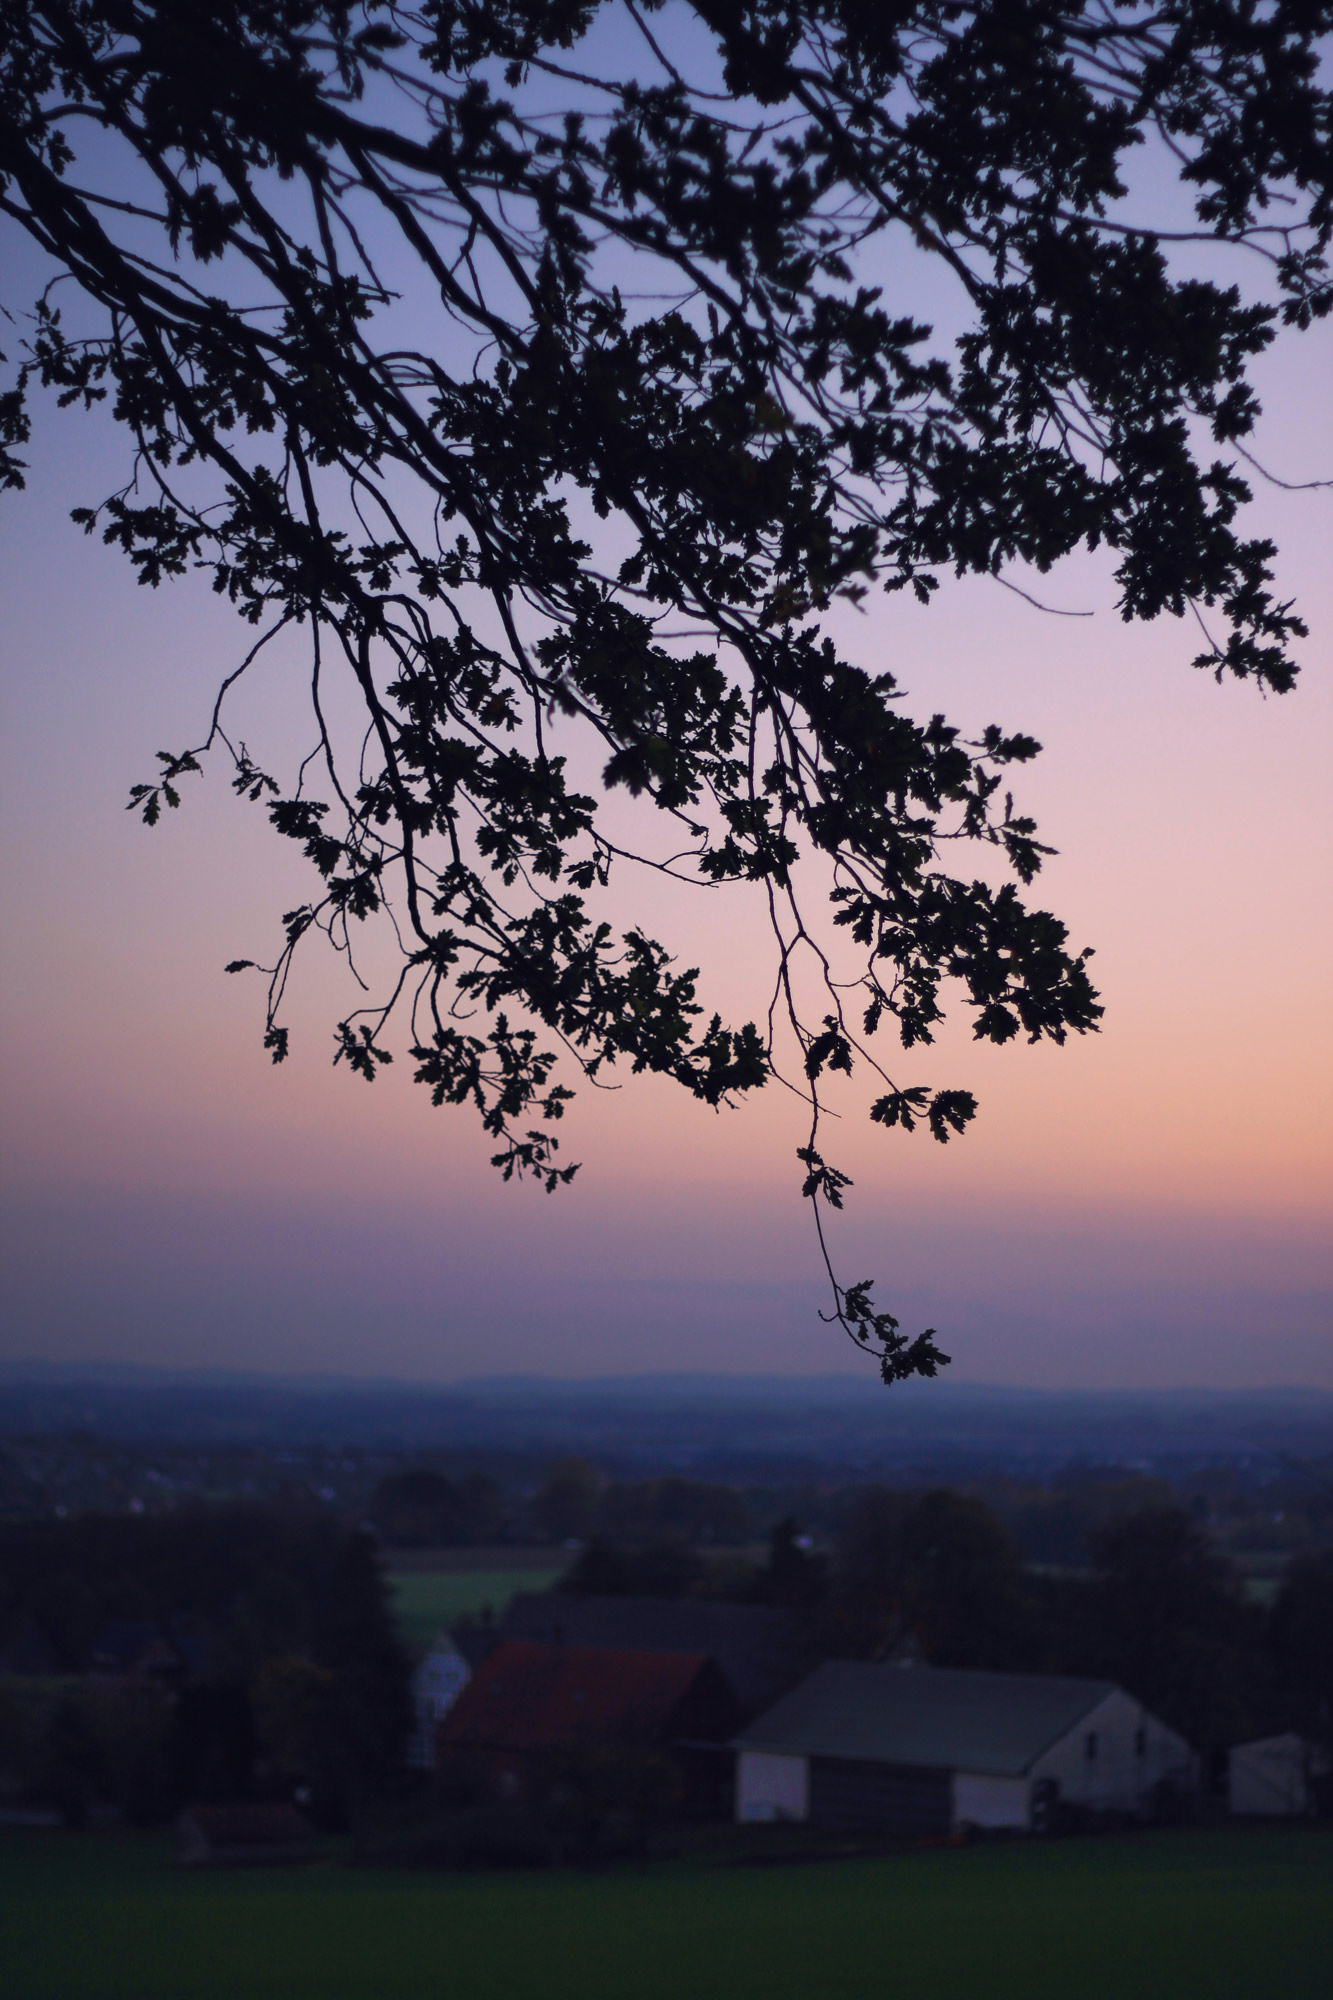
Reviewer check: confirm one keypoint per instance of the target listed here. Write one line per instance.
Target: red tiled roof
(528, 1696)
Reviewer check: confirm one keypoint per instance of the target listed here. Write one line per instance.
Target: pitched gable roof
(757, 1647)
(529, 1697)
(938, 1717)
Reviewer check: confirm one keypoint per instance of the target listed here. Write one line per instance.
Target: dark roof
(756, 1646)
(528, 1696)
(934, 1716)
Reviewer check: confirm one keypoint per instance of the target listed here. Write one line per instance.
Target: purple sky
(1150, 1206)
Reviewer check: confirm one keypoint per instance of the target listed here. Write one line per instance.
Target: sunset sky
(1148, 1206)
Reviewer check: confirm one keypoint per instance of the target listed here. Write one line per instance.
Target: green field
(1224, 1915)
(423, 1604)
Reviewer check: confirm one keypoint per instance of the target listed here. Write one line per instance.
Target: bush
(424, 1509)
(669, 1569)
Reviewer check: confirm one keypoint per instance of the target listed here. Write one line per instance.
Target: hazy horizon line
(111, 1373)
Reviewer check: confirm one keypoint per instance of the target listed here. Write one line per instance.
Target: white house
(436, 1686)
(1275, 1776)
(931, 1750)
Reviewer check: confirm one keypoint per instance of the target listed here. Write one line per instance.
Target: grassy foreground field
(1221, 1915)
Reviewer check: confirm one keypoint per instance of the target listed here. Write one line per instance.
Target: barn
(931, 1750)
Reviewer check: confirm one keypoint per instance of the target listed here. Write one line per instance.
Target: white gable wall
(1271, 1776)
(770, 1787)
(436, 1686)
(1113, 1758)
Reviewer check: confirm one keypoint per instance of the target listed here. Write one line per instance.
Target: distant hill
(720, 1426)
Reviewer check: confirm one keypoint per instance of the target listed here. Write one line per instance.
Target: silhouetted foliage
(421, 1508)
(664, 1569)
(1054, 1524)
(960, 1581)
(936, 1569)
(691, 1510)
(215, 1741)
(1301, 1637)
(795, 1574)
(557, 381)
(1165, 1617)
(70, 1766)
(866, 1611)
(273, 1607)
(356, 1639)
(566, 1502)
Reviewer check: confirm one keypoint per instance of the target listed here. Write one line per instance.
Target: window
(1090, 1746)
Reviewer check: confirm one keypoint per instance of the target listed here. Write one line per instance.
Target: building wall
(436, 1686)
(864, 1796)
(770, 1787)
(1114, 1757)
(1270, 1776)
(1112, 1761)
(985, 1801)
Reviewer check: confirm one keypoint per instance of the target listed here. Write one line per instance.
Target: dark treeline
(422, 1507)
(281, 1669)
(1050, 1522)
(1275, 1504)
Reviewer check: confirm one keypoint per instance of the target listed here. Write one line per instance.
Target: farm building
(924, 1750)
(529, 1709)
(757, 1647)
(1279, 1776)
(436, 1685)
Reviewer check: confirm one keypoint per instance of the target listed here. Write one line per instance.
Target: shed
(242, 1836)
(927, 1750)
(1278, 1776)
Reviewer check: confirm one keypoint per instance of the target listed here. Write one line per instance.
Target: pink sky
(1150, 1205)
